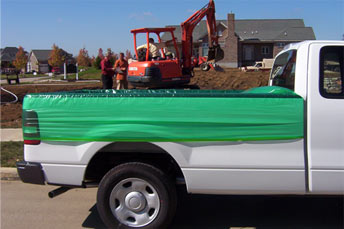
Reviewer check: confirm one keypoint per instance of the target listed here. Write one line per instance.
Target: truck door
(325, 119)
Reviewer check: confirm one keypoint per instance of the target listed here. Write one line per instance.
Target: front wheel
(136, 195)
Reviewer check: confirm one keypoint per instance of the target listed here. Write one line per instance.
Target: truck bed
(266, 113)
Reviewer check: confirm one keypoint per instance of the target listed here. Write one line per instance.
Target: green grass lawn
(90, 73)
(11, 152)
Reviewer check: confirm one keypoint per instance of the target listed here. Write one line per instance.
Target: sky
(93, 24)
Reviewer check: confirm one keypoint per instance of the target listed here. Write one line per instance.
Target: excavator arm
(215, 52)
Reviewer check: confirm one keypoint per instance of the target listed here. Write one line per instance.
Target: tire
(205, 67)
(136, 195)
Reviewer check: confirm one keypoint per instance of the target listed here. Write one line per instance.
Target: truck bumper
(30, 172)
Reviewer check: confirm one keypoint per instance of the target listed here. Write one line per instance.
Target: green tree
(98, 59)
(56, 58)
(21, 59)
(96, 62)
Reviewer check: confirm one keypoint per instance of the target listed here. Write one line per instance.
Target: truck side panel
(55, 152)
(257, 166)
(279, 154)
(64, 174)
(261, 167)
(325, 123)
(245, 181)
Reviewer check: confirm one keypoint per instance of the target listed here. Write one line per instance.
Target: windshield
(258, 65)
(283, 71)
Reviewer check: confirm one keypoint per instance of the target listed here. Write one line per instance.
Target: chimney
(231, 24)
(231, 43)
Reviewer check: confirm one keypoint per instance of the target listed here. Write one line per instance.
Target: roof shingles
(43, 55)
(9, 54)
(260, 29)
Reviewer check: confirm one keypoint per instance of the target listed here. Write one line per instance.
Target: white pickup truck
(136, 178)
(264, 65)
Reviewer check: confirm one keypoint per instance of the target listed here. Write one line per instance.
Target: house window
(219, 33)
(29, 68)
(280, 45)
(205, 48)
(222, 44)
(248, 52)
(195, 52)
(265, 50)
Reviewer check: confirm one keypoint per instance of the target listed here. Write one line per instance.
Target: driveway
(28, 206)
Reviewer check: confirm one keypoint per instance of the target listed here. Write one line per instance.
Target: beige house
(38, 60)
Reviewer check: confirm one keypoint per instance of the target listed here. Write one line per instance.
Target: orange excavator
(177, 69)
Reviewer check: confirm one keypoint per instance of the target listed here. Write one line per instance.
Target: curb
(11, 134)
(9, 173)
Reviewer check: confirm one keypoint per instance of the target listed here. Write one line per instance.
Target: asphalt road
(28, 206)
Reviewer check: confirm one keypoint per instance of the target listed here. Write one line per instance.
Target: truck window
(283, 71)
(331, 72)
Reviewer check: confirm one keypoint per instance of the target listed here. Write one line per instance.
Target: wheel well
(122, 152)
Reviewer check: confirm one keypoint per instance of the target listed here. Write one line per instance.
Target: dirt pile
(228, 79)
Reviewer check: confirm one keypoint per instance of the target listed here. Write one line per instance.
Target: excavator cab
(164, 71)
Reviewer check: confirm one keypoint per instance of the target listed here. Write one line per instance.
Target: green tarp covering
(266, 113)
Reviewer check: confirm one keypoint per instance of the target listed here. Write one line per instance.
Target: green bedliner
(266, 113)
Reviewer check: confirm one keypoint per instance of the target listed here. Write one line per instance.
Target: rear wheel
(205, 67)
(136, 195)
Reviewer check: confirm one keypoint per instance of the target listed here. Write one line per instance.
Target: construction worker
(107, 72)
(121, 67)
(154, 48)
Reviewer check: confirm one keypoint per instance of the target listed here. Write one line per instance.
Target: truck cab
(314, 70)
